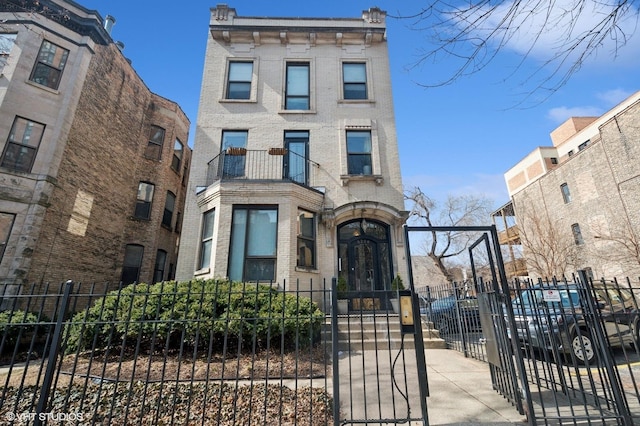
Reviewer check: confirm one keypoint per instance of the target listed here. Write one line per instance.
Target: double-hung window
(359, 152)
(144, 200)
(6, 43)
(206, 239)
(306, 239)
(156, 140)
(132, 263)
(297, 89)
(253, 244)
(178, 150)
(354, 78)
(239, 80)
(169, 206)
(50, 64)
(22, 145)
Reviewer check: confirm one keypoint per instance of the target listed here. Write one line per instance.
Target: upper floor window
(306, 239)
(22, 145)
(145, 198)
(297, 90)
(169, 206)
(570, 153)
(354, 77)
(577, 234)
(6, 43)
(206, 239)
(554, 160)
(583, 145)
(566, 194)
(359, 152)
(239, 80)
(132, 264)
(50, 64)
(156, 140)
(178, 149)
(6, 223)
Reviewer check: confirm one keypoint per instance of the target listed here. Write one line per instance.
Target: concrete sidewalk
(461, 392)
(460, 389)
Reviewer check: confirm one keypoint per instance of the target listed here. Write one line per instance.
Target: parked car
(549, 317)
(443, 314)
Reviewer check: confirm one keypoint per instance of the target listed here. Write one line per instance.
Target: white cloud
(613, 97)
(543, 29)
(561, 114)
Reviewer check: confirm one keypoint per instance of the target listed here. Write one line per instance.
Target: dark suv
(557, 316)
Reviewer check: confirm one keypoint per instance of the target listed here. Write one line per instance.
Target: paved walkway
(460, 390)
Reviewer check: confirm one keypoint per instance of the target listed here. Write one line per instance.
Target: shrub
(15, 325)
(193, 312)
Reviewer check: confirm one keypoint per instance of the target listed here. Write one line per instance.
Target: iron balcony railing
(274, 164)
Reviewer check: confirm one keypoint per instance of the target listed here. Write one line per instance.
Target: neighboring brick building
(93, 166)
(296, 174)
(584, 191)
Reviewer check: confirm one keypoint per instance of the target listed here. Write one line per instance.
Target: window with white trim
(239, 80)
(206, 239)
(253, 244)
(359, 152)
(6, 44)
(354, 80)
(306, 239)
(297, 94)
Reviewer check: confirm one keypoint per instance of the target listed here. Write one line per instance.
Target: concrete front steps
(377, 332)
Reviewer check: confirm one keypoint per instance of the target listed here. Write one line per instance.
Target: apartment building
(296, 175)
(577, 203)
(93, 165)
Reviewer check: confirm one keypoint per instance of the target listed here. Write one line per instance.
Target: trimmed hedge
(193, 312)
(17, 324)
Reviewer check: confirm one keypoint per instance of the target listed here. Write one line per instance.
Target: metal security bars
(199, 352)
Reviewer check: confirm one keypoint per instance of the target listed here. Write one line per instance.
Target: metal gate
(549, 345)
(378, 356)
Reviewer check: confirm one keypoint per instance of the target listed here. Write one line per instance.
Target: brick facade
(74, 209)
(602, 178)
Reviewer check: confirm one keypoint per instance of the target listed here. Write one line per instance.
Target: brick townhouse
(296, 175)
(93, 165)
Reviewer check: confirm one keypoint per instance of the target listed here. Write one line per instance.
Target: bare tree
(620, 245)
(550, 249)
(561, 35)
(462, 210)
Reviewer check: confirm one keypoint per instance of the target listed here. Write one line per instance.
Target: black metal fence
(579, 340)
(199, 352)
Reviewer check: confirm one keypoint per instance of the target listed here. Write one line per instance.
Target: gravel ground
(161, 389)
(182, 404)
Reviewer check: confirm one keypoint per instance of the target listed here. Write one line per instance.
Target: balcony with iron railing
(274, 165)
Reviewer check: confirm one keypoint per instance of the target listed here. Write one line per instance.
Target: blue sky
(455, 139)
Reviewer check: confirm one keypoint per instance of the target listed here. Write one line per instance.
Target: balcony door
(295, 159)
(233, 159)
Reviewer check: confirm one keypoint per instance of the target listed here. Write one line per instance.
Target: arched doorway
(364, 259)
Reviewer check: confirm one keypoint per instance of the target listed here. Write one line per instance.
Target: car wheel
(583, 348)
